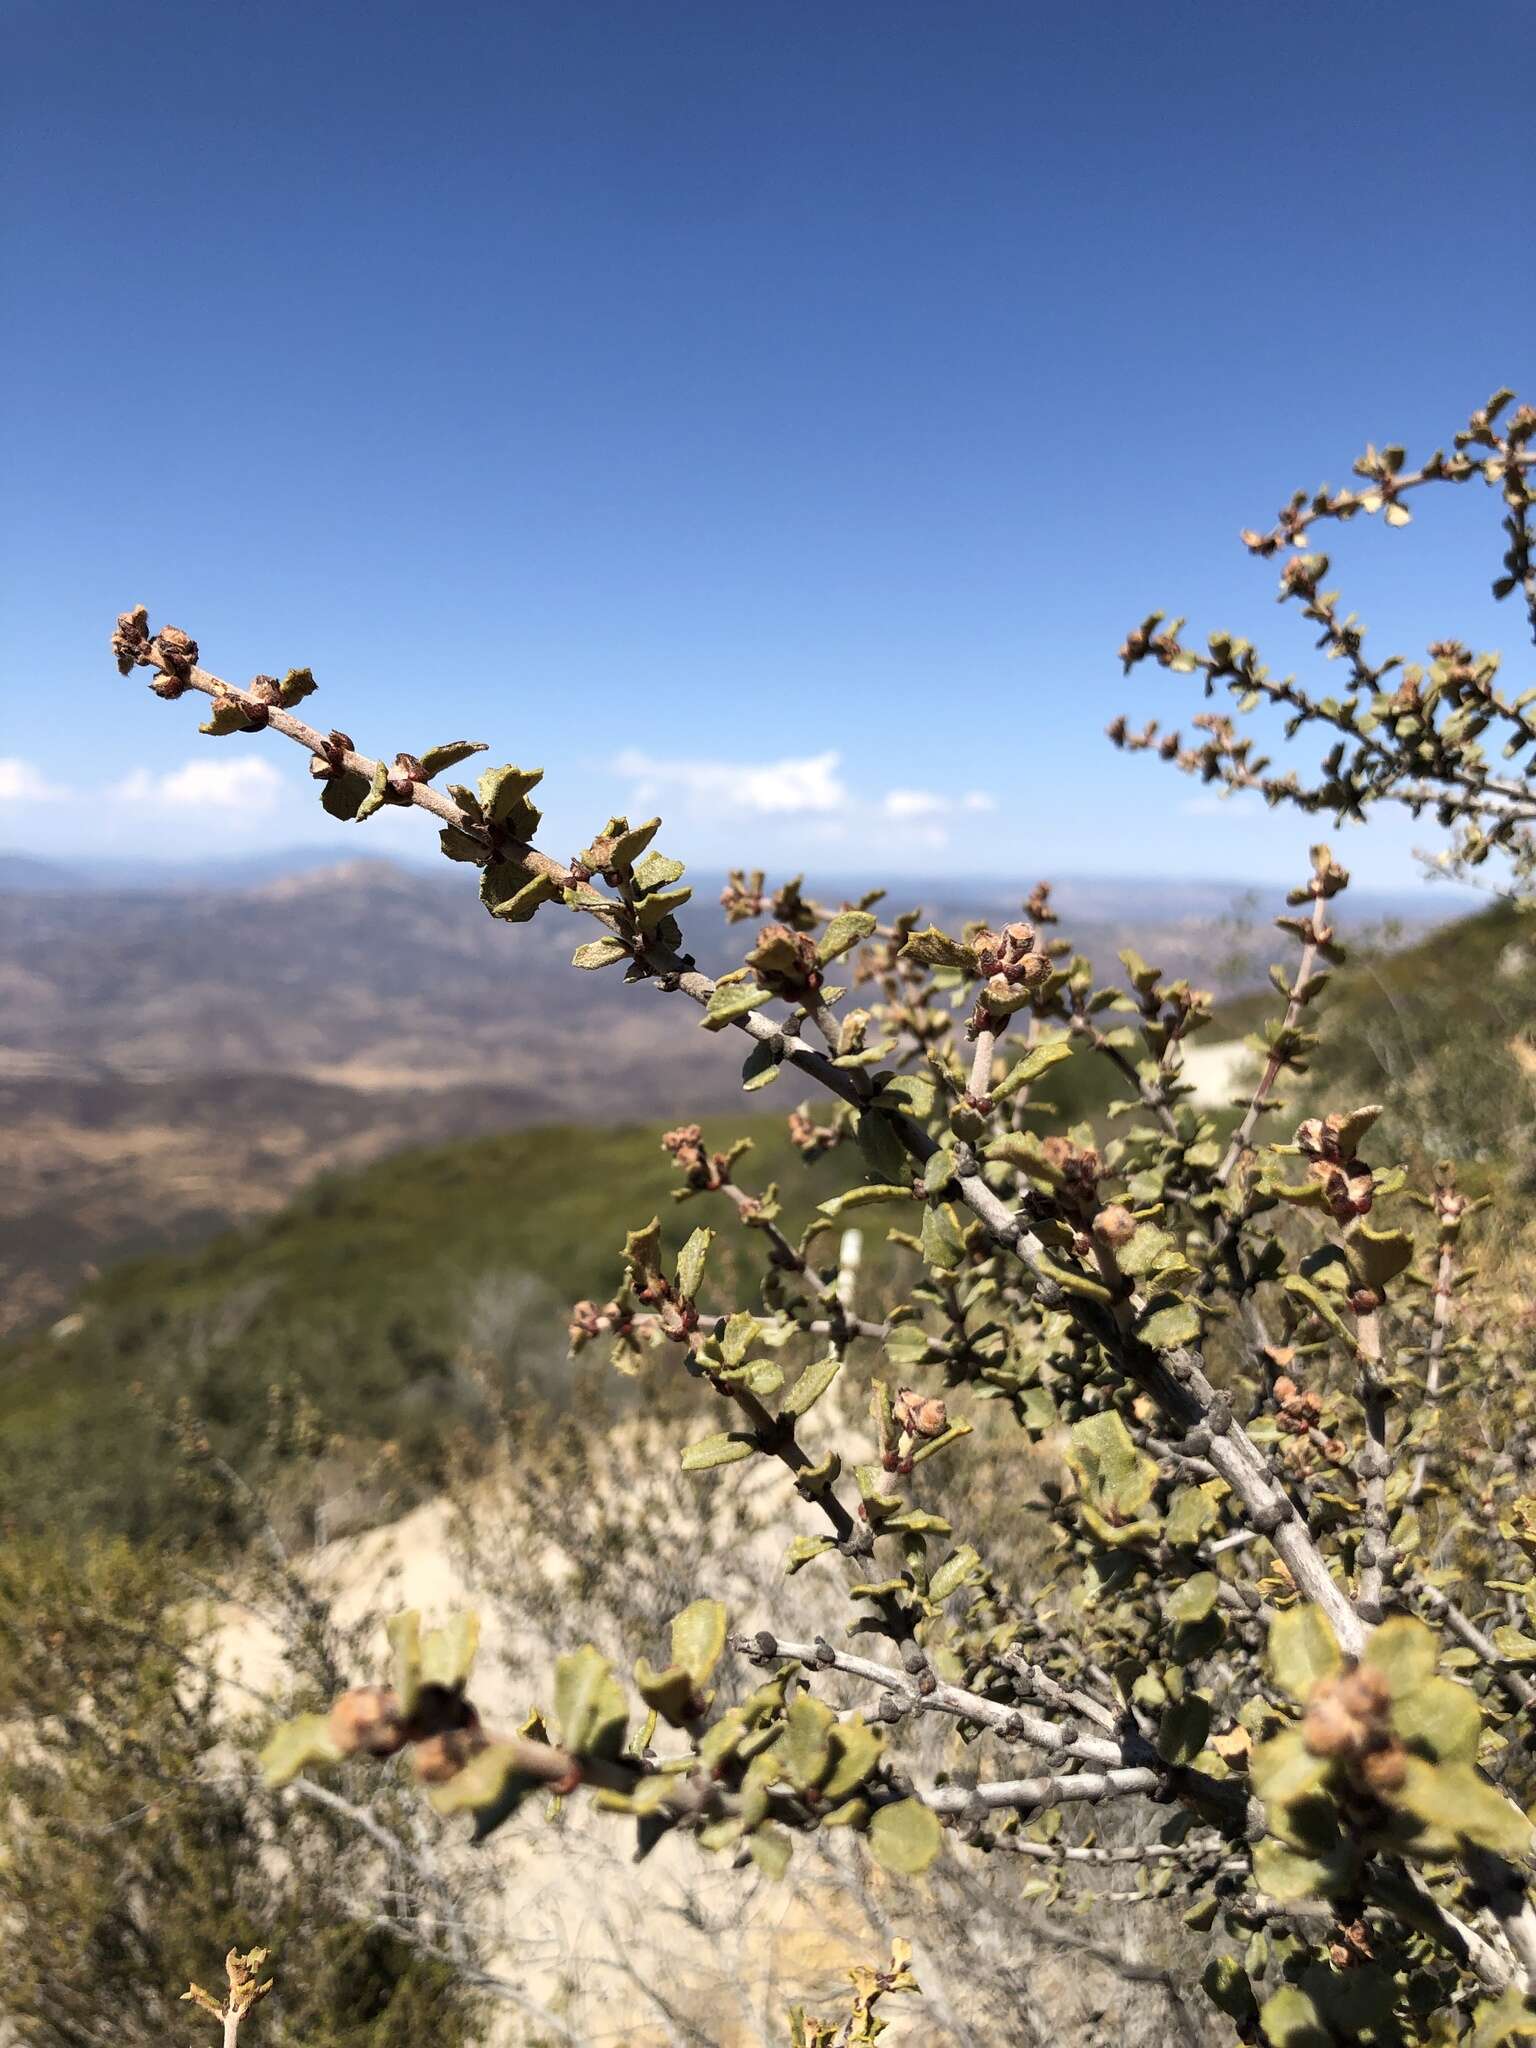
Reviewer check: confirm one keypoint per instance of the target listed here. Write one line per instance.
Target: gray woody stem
(1242, 1137)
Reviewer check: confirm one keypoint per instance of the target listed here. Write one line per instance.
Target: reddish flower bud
(366, 1721)
(438, 1758)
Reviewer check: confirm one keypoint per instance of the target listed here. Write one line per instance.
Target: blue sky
(771, 415)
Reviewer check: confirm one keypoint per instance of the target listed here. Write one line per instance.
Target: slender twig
(933, 1696)
(1295, 1003)
(1445, 1276)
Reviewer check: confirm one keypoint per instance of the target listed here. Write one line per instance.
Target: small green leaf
(852, 1813)
(491, 1786)
(1182, 1731)
(770, 1848)
(341, 795)
(502, 790)
(1457, 1799)
(448, 1653)
(905, 1837)
(1439, 1717)
(1291, 2020)
(642, 1253)
(690, 1263)
(885, 1157)
(843, 933)
(599, 953)
(942, 1247)
(1174, 1323)
(1148, 1248)
(1284, 1771)
(1290, 1874)
(671, 1693)
(1225, 1983)
(1379, 1255)
(856, 1749)
(953, 1572)
(294, 1744)
(804, 1549)
(404, 1633)
(1112, 1472)
(436, 759)
(916, 1094)
(918, 1522)
(1192, 1516)
(803, 1750)
(656, 871)
(461, 845)
(811, 1385)
(227, 716)
(512, 891)
(698, 1638)
(1037, 1061)
(590, 1709)
(1303, 1650)
(732, 1000)
(933, 948)
(862, 1198)
(1321, 1303)
(719, 1449)
(1353, 1127)
(520, 908)
(378, 789)
(741, 1329)
(298, 684)
(629, 844)
(1404, 1650)
(761, 1067)
(651, 910)
(760, 1376)
(1194, 1599)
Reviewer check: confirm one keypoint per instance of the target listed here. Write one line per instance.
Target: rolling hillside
(181, 1054)
(389, 1300)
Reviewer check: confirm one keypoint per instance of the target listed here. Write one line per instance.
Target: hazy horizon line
(146, 870)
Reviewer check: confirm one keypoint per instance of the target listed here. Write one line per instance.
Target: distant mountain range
(1094, 897)
(178, 1051)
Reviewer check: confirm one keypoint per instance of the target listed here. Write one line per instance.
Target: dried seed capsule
(1114, 1226)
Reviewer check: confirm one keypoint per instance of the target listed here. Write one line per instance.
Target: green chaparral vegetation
(362, 1297)
(358, 1304)
(143, 1853)
(1442, 1032)
(391, 1306)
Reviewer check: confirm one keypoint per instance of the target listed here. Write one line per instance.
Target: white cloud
(914, 803)
(927, 803)
(808, 799)
(23, 783)
(246, 787)
(805, 783)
